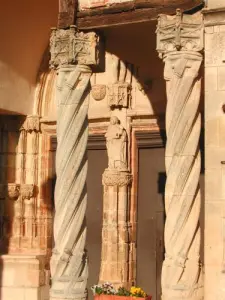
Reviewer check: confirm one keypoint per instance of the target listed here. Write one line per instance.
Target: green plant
(122, 292)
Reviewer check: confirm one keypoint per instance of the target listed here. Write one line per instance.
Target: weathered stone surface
(71, 46)
(181, 272)
(69, 261)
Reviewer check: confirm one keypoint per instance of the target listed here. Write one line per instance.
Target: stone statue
(116, 142)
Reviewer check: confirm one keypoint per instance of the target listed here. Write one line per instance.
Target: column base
(23, 277)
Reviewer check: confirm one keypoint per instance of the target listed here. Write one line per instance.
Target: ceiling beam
(130, 12)
(67, 13)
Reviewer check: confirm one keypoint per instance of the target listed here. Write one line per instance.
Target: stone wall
(214, 151)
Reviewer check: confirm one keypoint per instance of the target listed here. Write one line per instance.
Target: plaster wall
(215, 4)
(24, 31)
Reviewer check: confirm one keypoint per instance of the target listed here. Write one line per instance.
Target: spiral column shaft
(72, 53)
(68, 263)
(181, 273)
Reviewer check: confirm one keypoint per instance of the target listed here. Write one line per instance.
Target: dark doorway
(97, 162)
(150, 209)
(150, 213)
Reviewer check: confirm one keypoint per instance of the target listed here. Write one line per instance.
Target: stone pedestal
(23, 278)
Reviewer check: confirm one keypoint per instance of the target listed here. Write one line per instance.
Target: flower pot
(115, 297)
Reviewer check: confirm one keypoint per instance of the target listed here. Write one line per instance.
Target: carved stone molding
(119, 94)
(32, 123)
(179, 32)
(69, 46)
(27, 191)
(98, 91)
(116, 178)
(12, 190)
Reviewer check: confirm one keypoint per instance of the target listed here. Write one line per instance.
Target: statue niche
(116, 143)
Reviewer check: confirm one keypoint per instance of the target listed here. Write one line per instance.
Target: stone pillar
(73, 53)
(115, 232)
(179, 43)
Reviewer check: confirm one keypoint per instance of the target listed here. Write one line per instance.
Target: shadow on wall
(139, 48)
(25, 28)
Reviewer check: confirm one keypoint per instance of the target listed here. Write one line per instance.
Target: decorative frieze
(116, 178)
(70, 46)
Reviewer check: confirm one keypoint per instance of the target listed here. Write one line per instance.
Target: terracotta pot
(112, 297)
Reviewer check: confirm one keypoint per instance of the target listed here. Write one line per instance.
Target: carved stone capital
(12, 190)
(180, 32)
(116, 178)
(27, 191)
(70, 46)
(119, 94)
(32, 123)
(182, 63)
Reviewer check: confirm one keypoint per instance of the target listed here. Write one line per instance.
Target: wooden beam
(67, 12)
(130, 12)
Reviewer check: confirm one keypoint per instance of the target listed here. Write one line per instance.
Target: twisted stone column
(68, 263)
(181, 272)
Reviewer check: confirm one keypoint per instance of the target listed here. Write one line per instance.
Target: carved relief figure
(120, 89)
(116, 142)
